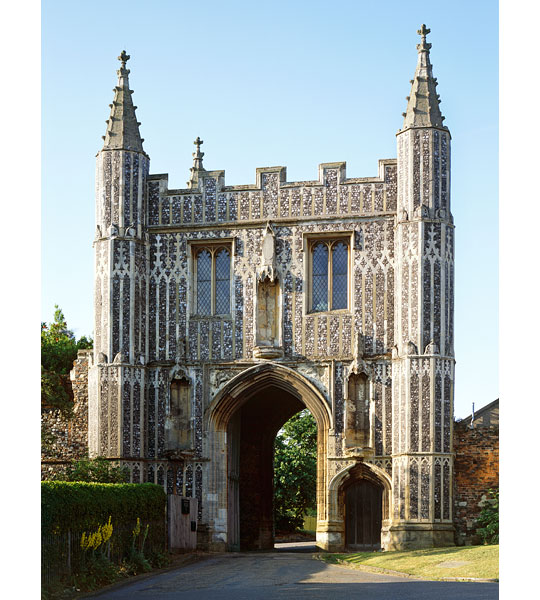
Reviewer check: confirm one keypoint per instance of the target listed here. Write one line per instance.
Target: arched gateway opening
(251, 409)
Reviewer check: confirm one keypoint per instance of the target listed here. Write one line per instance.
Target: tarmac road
(280, 575)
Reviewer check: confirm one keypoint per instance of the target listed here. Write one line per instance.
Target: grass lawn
(436, 563)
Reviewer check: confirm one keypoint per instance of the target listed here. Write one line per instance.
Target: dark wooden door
(363, 516)
(233, 479)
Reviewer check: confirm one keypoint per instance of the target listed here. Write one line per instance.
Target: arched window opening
(213, 280)
(319, 297)
(329, 275)
(204, 282)
(340, 259)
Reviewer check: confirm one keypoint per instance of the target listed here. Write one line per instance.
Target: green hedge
(78, 506)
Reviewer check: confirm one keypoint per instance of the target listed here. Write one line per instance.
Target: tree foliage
(93, 470)
(489, 519)
(58, 351)
(295, 471)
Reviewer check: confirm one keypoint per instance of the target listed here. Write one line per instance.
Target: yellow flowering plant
(93, 541)
(137, 529)
(138, 561)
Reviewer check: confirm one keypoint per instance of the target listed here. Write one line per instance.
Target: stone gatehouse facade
(221, 311)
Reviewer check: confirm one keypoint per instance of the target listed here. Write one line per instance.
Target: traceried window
(329, 275)
(212, 280)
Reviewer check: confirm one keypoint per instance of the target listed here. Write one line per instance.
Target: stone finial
(197, 164)
(422, 32)
(120, 358)
(431, 348)
(423, 101)
(198, 155)
(123, 58)
(122, 125)
(411, 349)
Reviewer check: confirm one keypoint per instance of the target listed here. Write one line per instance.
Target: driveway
(280, 575)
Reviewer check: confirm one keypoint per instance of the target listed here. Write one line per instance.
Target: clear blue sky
(276, 83)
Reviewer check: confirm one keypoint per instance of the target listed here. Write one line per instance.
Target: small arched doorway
(364, 498)
(363, 515)
(251, 409)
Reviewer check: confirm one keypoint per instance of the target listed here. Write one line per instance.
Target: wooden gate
(363, 516)
(182, 522)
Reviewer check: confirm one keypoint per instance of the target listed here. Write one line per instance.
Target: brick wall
(476, 470)
(71, 434)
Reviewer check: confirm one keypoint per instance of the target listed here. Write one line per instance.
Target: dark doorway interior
(363, 515)
(250, 441)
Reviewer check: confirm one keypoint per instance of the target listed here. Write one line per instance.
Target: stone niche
(267, 344)
(268, 320)
(178, 424)
(357, 438)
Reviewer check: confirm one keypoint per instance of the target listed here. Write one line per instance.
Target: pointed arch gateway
(245, 416)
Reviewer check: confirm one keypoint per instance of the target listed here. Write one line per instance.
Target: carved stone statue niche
(178, 427)
(357, 415)
(267, 339)
(267, 313)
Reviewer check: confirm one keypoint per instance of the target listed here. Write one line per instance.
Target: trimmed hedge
(78, 506)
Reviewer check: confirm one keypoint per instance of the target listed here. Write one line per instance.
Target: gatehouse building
(222, 310)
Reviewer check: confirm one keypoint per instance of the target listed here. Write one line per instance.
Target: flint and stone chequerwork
(209, 319)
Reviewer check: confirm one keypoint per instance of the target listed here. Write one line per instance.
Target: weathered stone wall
(476, 470)
(71, 434)
(178, 218)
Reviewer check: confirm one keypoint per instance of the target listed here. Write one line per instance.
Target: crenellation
(270, 188)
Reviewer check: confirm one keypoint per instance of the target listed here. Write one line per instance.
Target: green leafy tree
(58, 351)
(295, 471)
(96, 470)
(92, 470)
(488, 519)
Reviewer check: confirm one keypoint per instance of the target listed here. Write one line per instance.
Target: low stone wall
(476, 470)
(70, 434)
